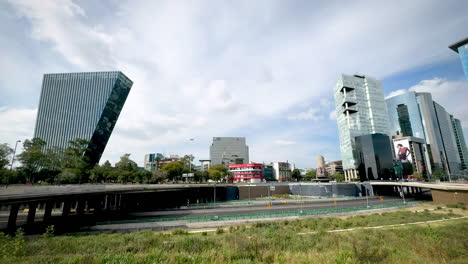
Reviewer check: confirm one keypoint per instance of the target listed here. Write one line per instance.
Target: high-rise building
(229, 150)
(460, 140)
(461, 47)
(375, 159)
(418, 115)
(152, 160)
(360, 110)
(412, 153)
(81, 105)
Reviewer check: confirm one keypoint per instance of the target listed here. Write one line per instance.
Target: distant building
(461, 47)
(205, 164)
(360, 110)
(460, 142)
(304, 171)
(268, 172)
(320, 172)
(333, 167)
(282, 171)
(413, 155)
(252, 172)
(151, 161)
(82, 105)
(229, 150)
(375, 157)
(169, 159)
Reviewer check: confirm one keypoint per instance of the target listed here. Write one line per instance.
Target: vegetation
(296, 174)
(338, 177)
(275, 242)
(217, 172)
(310, 175)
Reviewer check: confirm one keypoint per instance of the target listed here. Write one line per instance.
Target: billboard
(402, 150)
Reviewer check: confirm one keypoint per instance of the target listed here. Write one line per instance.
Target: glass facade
(81, 105)
(463, 52)
(404, 116)
(360, 110)
(460, 140)
(375, 159)
(229, 150)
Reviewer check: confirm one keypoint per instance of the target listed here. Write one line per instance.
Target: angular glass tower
(461, 47)
(81, 105)
(360, 110)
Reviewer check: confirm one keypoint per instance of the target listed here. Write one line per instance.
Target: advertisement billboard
(402, 150)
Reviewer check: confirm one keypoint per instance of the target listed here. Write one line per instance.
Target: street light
(12, 160)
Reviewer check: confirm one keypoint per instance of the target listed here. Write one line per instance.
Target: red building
(252, 172)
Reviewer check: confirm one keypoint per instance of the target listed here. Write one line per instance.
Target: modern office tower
(404, 116)
(152, 160)
(375, 159)
(81, 105)
(460, 140)
(360, 110)
(229, 150)
(461, 47)
(448, 139)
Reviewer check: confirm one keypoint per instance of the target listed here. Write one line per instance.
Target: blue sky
(264, 70)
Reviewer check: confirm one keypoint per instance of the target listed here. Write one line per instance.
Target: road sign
(272, 188)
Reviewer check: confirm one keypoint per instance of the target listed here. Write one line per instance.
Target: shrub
(179, 232)
(49, 232)
(219, 230)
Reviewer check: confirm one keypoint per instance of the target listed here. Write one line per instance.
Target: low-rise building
(282, 171)
(205, 164)
(151, 161)
(251, 172)
(333, 167)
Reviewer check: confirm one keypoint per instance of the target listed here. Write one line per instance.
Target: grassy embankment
(279, 242)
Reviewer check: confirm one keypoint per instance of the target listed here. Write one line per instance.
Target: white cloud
(215, 68)
(332, 115)
(284, 142)
(395, 93)
(16, 124)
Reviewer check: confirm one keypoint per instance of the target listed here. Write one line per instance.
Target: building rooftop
(455, 45)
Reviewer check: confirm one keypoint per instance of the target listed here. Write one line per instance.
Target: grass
(274, 242)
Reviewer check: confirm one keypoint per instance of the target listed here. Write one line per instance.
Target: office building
(460, 141)
(404, 116)
(461, 47)
(205, 165)
(229, 150)
(360, 110)
(81, 105)
(448, 139)
(281, 171)
(375, 159)
(252, 172)
(151, 162)
(333, 167)
(268, 172)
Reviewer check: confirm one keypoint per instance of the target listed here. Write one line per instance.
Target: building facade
(360, 110)
(412, 153)
(151, 161)
(81, 105)
(333, 167)
(461, 47)
(229, 150)
(252, 172)
(375, 157)
(205, 165)
(268, 172)
(404, 115)
(282, 171)
(460, 141)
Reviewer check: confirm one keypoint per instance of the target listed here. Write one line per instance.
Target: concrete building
(375, 157)
(151, 161)
(252, 172)
(229, 150)
(461, 144)
(413, 155)
(205, 164)
(82, 105)
(461, 47)
(333, 167)
(282, 171)
(320, 171)
(360, 110)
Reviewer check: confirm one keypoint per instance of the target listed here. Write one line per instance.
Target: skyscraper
(460, 141)
(81, 105)
(427, 120)
(360, 110)
(461, 47)
(229, 150)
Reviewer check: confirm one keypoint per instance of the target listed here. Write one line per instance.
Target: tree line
(39, 164)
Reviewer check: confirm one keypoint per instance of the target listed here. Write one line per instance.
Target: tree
(5, 152)
(338, 177)
(75, 165)
(296, 174)
(310, 175)
(158, 177)
(32, 158)
(173, 169)
(217, 172)
(438, 175)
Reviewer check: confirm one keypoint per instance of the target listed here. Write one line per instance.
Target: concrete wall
(449, 197)
(324, 189)
(257, 191)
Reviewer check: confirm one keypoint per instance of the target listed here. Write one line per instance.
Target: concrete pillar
(80, 207)
(31, 213)
(346, 175)
(49, 205)
(66, 208)
(12, 218)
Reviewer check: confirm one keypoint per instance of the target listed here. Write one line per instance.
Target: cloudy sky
(263, 70)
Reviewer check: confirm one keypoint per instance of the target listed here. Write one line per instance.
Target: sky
(264, 70)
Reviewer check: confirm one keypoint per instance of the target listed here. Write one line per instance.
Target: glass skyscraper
(360, 110)
(229, 150)
(460, 141)
(403, 112)
(461, 47)
(81, 105)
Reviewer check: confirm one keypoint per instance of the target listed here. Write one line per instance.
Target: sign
(272, 188)
(402, 150)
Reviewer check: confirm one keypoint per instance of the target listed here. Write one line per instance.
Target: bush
(457, 205)
(179, 232)
(219, 230)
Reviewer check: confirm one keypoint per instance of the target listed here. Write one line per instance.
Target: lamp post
(12, 160)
